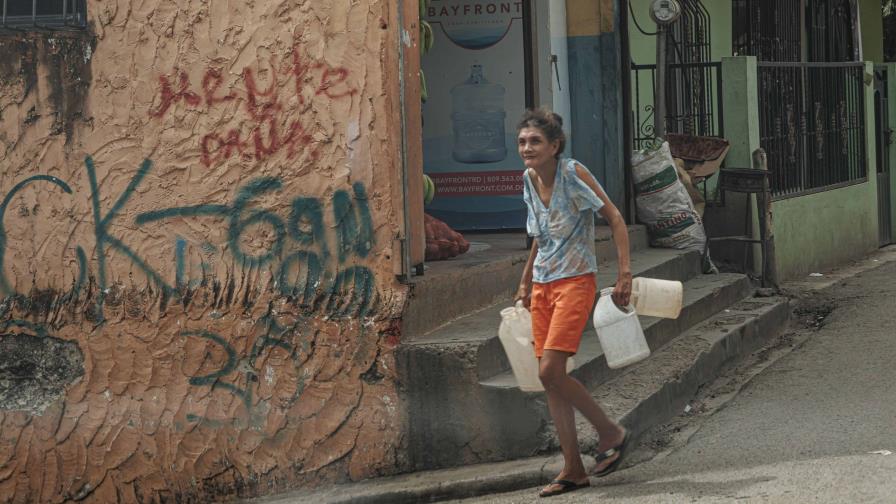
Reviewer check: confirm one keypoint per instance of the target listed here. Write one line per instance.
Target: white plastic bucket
(619, 331)
(657, 298)
(515, 334)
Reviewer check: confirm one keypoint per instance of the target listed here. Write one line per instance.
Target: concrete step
(647, 394)
(487, 274)
(464, 402)
(656, 390)
(479, 330)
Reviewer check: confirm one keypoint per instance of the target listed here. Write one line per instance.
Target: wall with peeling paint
(199, 203)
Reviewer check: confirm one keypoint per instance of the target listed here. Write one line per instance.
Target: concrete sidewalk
(649, 394)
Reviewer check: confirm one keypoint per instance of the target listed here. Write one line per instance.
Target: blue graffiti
(4, 283)
(303, 274)
(275, 336)
(180, 247)
(103, 238)
(349, 292)
(308, 209)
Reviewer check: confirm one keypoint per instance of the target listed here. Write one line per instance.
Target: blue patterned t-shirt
(564, 230)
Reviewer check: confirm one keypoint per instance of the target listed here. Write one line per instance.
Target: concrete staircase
(463, 402)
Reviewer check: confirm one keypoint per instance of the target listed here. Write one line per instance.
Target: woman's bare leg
(565, 422)
(561, 387)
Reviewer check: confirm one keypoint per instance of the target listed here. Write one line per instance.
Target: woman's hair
(549, 122)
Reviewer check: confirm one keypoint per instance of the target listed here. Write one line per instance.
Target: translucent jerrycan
(515, 333)
(657, 298)
(478, 120)
(619, 331)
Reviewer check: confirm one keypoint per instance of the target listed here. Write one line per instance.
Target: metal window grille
(812, 125)
(44, 14)
(771, 30)
(688, 104)
(701, 84)
(829, 31)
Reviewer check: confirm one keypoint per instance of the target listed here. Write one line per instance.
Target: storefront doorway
(490, 60)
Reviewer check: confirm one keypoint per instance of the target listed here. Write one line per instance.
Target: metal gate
(882, 139)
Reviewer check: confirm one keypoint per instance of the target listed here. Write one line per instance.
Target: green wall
(871, 16)
(643, 52)
(819, 231)
(816, 232)
(643, 47)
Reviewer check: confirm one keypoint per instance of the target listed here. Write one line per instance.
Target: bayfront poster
(476, 82)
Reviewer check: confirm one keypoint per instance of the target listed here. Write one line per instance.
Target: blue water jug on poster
(478, 119)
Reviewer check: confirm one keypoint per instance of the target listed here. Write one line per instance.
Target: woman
(559, 286)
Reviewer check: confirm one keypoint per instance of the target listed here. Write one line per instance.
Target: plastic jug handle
(519, 304)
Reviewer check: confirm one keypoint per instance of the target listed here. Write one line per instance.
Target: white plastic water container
(515, 333)
(657, 298)
(619, 331)
(478, 119)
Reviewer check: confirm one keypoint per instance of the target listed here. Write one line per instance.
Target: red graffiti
(332, 79)
(260, 104)
(170, 97)
(260, 143)
(210, 84)
(268, 132)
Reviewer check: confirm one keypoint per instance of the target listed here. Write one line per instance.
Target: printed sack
(664, 206)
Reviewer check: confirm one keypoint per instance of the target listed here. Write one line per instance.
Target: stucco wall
(198, 210)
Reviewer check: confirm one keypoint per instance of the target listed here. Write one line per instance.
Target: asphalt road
(796, 424)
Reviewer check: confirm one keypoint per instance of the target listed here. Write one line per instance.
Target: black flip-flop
(566, 486)
(601, 456)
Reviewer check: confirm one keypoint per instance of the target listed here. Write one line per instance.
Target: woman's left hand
(622, 292)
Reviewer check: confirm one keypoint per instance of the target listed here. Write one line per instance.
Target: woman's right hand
(524, 294)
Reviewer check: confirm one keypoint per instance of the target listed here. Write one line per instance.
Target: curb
(434, 486)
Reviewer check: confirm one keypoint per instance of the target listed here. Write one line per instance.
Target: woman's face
(535, 149)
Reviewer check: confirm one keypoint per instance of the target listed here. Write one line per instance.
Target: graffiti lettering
(261, 142)
(169, 97)
(270, 130)
(5, 288)
(103, 238)
(304, 272)
(242, 386)
(211, 82)
(301, 274)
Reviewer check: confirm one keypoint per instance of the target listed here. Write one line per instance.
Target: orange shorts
(560, 310)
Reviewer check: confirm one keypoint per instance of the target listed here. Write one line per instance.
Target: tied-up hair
(548, 122)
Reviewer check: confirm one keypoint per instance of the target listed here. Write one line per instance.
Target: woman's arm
(623, 290)
(524, 292)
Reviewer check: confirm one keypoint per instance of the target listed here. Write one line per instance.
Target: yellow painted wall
(589, 17)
